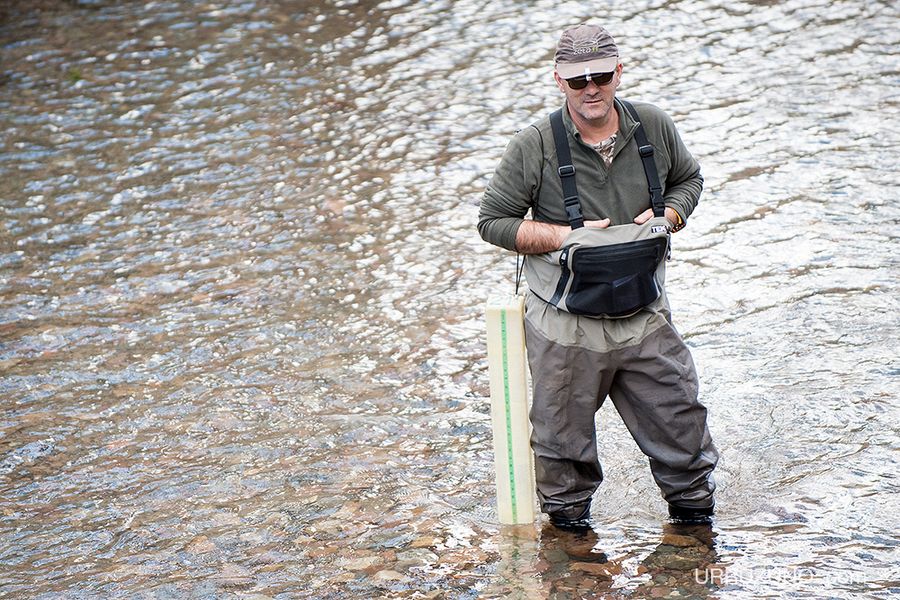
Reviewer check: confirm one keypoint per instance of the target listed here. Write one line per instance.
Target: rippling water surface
(241, 340)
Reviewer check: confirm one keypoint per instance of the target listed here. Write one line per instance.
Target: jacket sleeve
(684, 182)
(512, 190)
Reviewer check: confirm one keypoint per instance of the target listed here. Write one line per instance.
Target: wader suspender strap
(567, 169)
(646, 152)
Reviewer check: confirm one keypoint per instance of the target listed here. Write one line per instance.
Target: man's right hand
(598, 224)
(534, 237)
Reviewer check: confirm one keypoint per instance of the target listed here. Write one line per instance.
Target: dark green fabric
(527, 177)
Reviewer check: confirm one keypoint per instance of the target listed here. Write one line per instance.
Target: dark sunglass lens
(577, 83)
(602, 78)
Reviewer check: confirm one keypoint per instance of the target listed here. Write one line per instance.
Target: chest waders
(582, 349)
(612, 272)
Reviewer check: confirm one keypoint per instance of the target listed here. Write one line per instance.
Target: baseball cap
(585, 49)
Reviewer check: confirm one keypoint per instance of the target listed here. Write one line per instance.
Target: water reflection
(549, 563)
(241, 293)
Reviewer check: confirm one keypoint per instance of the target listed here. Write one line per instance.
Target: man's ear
(559, 82)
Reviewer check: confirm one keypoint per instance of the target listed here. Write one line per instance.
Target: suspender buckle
(573, 211)
(573, 214)
(645, 151)
(566, 170)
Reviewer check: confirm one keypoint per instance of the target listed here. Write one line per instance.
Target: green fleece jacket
(527, 176)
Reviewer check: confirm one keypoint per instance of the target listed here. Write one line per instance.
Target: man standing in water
(598, 324)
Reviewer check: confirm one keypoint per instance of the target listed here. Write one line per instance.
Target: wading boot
(691, 515)
(563, 520)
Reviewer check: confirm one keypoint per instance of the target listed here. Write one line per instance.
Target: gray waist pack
(613, 272)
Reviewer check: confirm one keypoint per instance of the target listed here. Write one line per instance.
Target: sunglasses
(579, 83)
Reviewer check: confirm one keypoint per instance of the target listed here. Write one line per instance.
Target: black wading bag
(612, 272)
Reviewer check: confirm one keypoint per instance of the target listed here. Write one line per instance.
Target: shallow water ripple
(241, 340)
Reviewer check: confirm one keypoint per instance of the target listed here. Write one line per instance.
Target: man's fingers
(601, 224)
(644, 216)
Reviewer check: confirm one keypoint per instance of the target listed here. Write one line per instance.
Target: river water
(241, 292)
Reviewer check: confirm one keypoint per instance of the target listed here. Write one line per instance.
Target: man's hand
(534, 237)
(645, 216)
(598, 224)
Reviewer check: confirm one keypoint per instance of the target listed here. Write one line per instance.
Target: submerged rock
(602, 570)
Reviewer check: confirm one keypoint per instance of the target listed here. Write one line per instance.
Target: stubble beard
(595, 112)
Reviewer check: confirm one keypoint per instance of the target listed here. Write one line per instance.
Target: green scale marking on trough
(506, 399)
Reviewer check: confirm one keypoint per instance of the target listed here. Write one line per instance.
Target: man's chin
(595, 111)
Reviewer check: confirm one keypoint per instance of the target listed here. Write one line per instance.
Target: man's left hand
(645, 216)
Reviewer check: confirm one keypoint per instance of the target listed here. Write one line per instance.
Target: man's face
(591, 103)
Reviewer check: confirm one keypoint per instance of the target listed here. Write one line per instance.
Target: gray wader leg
(653, 385)
(569, 387)
(655, 392)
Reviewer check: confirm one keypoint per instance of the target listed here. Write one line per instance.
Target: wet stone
(418, 556)
(349, 510)
(344, 577)
(602, 570)
(200, 545)
(677, 562)
(331, 525)
(362, 563)
(233, 575)
(395, 541)
(556, 555)
(680, 541)
(321, 551)
(9, 363)
(426, 541)
(388, 575)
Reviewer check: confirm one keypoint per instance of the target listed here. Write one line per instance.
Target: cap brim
(582, 69)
